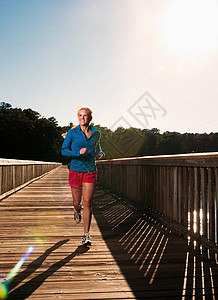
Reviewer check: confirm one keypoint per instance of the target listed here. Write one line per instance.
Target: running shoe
(77, 217)
(86, 239)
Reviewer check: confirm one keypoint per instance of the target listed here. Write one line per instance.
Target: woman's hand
(101, 156)
(83, 150)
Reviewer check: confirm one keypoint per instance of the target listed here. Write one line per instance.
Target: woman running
(82, 145)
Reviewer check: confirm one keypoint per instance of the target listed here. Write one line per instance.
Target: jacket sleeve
(66, 147)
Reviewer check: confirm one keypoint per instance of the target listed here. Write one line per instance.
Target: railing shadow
(156, 262)
(25, 290)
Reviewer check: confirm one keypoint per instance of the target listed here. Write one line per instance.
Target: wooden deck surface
(132, 256)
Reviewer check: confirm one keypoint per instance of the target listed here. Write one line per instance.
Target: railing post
(1, 178)
(216, 188)
(211, 205)
(196, 200)
(175, 194)
(204, 202)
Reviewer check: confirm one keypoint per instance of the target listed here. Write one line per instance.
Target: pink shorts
(77, 178)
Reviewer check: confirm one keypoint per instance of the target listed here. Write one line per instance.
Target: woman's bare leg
(88, 190)
(77, 194)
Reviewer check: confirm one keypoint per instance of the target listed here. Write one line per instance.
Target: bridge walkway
(132, 255)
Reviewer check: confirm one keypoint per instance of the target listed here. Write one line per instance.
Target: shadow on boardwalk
(156, 263)
(28, 288)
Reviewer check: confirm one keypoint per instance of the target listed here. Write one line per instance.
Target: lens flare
(13, 273)
(3, 291)
(37, 236)
(189, 27)
(17, 267)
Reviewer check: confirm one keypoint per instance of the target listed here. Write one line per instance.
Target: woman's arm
(99, 151)
(66, 147)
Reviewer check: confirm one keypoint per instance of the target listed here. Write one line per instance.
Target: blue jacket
(74, 141)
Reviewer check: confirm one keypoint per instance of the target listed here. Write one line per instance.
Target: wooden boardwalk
(132, 256)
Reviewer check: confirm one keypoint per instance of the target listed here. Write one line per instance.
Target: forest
(25, 134)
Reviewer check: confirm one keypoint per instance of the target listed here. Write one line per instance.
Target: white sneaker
(86, 239)
(77, 217)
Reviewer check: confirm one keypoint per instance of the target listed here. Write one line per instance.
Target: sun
(190, 27)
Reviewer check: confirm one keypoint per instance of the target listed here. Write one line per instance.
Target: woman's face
(84, 117)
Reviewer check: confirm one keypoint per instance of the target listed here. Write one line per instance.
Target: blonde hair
(88, 109)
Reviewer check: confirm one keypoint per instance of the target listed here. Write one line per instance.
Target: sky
(140, 63)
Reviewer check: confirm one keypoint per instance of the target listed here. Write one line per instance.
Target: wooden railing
(180, 190)
(14, 174)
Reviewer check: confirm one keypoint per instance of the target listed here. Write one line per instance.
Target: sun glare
(190, 27)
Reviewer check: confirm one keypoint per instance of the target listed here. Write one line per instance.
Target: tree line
(25, 134)
(133, 142)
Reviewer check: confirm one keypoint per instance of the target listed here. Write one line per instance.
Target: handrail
(181, 190)
(9, 161)
(181, 159)
(15, 174)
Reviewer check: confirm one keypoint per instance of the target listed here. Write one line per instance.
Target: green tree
(25, 134)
